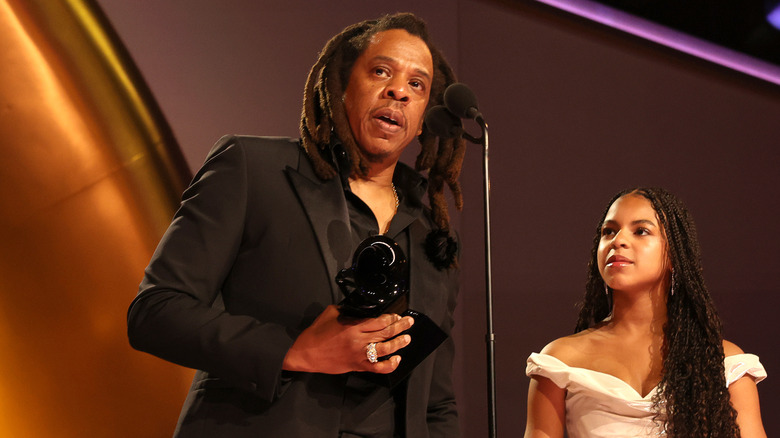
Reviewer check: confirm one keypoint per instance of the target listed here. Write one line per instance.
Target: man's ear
(420, 128)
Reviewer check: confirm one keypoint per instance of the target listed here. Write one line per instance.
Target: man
(242, 284)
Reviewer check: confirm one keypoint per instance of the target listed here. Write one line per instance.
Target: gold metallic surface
(89, 178)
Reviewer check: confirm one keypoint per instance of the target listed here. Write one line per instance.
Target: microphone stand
(490, 337)
(445, 122)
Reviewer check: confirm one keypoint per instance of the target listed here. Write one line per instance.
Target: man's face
(387, 94)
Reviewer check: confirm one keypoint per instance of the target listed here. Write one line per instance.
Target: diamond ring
(371, 352)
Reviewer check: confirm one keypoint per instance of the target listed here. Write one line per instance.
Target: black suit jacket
(247, 263)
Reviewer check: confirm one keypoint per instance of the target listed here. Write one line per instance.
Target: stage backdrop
(577, 111)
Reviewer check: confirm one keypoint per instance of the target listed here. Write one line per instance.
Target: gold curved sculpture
(89, 178)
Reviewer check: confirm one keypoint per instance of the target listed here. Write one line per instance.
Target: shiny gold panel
(89, 178)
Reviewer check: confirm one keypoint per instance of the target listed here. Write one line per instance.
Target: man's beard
(375, 157)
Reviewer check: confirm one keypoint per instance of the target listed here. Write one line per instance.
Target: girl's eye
(642, 231)
(607, 231)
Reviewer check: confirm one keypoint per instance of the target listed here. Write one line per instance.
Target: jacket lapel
(326, 209)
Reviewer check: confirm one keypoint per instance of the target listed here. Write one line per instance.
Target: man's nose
(397, 89)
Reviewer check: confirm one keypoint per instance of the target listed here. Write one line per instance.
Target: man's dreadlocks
(323, 114)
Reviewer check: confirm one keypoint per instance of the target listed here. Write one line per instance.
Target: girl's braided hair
(692, 390)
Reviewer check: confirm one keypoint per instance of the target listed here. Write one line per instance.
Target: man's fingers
(397, 327)
(379, 323)
(387, 326)
(389, 347)
(385, 366)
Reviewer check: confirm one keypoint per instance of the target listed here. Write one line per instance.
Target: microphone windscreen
(461, 100)
(443, 123)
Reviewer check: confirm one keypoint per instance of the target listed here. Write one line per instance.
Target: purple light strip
(668, 37)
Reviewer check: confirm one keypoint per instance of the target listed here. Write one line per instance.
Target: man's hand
(334, 345)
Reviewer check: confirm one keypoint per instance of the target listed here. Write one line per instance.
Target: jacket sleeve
(174, 315)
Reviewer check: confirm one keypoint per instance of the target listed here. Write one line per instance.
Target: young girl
(648, 357)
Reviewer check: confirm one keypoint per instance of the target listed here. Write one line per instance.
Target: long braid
(693, 330)
(444, 160)
(323, 114)
(595, 305)
(316, 116)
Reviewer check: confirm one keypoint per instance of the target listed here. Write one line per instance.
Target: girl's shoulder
(731, 349)
(570, 349)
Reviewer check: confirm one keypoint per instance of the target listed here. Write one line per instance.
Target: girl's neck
(639, 312)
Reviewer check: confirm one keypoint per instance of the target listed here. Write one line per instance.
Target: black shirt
(368, 409)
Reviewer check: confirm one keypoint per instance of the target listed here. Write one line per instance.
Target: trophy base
(426, 337)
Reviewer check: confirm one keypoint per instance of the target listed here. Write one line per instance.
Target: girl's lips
(617, 260)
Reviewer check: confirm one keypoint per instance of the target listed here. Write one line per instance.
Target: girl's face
(632, 251)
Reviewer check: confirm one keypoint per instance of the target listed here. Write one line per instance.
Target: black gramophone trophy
(378, 277)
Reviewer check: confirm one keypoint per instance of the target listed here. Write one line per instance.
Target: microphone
(459, 102)
(443, 123)
(462, 102)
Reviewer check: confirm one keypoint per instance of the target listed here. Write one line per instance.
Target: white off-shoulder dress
(601, 405)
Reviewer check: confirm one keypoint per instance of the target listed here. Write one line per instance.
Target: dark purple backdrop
(576, 110)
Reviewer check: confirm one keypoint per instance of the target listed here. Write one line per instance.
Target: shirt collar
(411, 186)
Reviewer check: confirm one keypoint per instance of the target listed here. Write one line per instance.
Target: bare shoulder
(731, 349)
(568, 348)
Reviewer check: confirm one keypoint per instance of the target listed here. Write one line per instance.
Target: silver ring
(371, 352)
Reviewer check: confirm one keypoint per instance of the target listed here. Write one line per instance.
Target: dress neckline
(607, 375)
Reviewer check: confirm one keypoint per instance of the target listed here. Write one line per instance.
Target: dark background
(577, 111)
